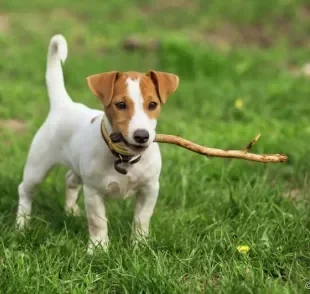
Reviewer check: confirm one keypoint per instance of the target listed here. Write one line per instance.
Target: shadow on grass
(49, 219)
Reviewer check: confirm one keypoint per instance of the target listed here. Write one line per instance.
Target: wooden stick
(250, 145)
(241, 154)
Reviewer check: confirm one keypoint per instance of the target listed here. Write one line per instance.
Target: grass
(231, 88)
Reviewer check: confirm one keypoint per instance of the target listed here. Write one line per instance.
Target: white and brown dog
(81, 139)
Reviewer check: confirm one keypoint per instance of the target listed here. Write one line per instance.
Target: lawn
(241, 67)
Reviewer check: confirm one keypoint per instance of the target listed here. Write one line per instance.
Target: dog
(110, 153)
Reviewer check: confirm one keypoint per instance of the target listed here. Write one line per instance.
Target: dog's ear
(165, 83)
(102, 85)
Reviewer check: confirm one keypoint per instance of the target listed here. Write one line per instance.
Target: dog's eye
(121, 105)
(152, 105)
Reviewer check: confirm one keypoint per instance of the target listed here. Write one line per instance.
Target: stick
(241, 154)
(250, 145)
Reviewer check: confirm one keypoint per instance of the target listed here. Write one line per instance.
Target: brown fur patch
(149, 94)
(120, 118)
(133, 74)
(93, 119)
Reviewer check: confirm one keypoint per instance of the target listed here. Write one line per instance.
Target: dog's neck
(118, 149)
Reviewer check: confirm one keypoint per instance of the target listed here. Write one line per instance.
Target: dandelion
(239, 103)
(243, 249)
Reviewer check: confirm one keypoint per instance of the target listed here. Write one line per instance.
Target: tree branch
(213, 152)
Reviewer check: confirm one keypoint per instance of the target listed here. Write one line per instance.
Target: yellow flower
(243, 249)
(239, 103)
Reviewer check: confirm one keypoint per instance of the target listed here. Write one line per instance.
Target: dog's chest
(121, 186)
(100, 174)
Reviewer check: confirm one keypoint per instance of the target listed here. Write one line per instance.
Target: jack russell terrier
(85, 140)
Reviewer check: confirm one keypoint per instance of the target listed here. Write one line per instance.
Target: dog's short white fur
(67, 137)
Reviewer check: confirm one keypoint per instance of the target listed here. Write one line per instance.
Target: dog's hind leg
(73, 187)
(39, 162)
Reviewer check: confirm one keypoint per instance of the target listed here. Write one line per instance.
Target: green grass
(207, 207)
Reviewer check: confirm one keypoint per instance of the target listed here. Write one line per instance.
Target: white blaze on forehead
(134, 92)
(139, 120)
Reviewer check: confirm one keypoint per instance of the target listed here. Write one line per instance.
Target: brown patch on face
(120, 118)
(150, 96)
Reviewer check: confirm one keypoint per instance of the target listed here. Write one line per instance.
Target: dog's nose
(141, 136)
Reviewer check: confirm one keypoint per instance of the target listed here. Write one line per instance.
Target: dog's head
(132, 102)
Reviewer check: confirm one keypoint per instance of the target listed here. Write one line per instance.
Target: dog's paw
(94, 246)
(75, 211)
(138, 240)
(21, 222)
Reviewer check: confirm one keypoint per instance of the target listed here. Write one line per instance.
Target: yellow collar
(116, 148)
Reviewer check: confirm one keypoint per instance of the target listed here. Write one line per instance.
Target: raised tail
(57, 54)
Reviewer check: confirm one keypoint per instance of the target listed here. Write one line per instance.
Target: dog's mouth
(135, 148)
(119, 138)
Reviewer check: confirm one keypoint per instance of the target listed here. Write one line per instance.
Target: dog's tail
(57, 54)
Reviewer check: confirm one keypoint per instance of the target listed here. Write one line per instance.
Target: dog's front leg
(145, 202)
(97, 221)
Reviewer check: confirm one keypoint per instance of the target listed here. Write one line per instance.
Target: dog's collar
(119, 151)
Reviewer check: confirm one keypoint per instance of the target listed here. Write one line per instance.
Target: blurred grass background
(244, 69)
